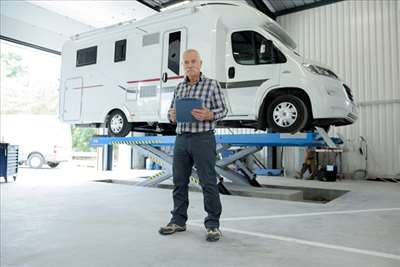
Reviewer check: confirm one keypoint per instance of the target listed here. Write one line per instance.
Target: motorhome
(123, 77)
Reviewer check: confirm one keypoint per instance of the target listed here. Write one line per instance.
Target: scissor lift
(151, 147)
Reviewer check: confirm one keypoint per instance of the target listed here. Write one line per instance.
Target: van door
(72, 102)
(174, 44)
(246, 71)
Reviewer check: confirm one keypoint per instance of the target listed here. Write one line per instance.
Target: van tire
(287, 114)
(35, 160)
(117, 124)
(53, 164)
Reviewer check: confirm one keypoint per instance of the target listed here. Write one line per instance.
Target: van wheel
(287, 114)
(35, 160)
(118, 124)
(52, 164)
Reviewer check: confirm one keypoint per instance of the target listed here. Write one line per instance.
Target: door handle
(164, 77)
(231, 72)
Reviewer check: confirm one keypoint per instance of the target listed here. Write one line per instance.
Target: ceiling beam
(305, 7)
(171, 3)
(146, 3)
(260, 5)
(42, 48)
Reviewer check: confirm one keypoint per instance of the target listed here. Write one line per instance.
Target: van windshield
(274, 29)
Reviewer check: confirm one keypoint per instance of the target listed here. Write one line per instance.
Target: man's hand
(172, 115)
(203, 114)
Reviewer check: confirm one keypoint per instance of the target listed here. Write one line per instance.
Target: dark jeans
(198, 149)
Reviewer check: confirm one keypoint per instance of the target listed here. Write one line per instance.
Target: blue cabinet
(8, 161)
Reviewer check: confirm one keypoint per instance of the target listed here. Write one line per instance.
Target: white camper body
(125, 75)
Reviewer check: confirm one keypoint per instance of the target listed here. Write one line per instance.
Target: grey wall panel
(360, 41)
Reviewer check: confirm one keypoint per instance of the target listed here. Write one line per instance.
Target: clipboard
(184, 108)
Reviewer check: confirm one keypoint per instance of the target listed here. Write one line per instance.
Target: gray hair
(191, 50)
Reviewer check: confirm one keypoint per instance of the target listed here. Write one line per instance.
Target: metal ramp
(248, 144)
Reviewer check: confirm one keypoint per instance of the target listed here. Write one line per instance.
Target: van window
(120, 50)
(248, 47)
(174, 51)
(243, 48)
(86, 56)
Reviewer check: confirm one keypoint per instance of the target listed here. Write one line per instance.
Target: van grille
(348, 92)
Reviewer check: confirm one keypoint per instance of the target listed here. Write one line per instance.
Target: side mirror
(266, 51)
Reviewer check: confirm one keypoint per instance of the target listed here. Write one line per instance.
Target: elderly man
(195, 144)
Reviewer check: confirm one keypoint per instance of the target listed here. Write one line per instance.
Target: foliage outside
(81, 138)
(23, 89)
(29, 85)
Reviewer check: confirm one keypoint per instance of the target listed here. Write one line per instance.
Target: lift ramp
(248, 144)
(311, 139)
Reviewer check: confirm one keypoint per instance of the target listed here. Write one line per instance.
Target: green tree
(21, 93)
(13, 67)
(81, 138)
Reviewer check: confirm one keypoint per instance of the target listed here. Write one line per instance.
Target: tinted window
(86, 56)
(260, 46)
(243, 48)
(248, 47)
(174, 51)
(120, 50)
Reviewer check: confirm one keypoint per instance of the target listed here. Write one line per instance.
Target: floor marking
(299, 215)
(309, 243)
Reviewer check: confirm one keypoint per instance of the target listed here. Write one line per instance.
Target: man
(309, 164)
(195, 144)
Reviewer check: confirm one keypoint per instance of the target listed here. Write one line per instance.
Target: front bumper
(339, 107)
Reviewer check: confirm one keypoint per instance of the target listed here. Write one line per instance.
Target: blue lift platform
(248, 144)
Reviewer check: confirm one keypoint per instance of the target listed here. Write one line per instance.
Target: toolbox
(8, 161)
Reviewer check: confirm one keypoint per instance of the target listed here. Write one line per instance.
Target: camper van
(46, 142)
(123, 77)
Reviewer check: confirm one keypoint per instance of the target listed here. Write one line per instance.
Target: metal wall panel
(360, 40)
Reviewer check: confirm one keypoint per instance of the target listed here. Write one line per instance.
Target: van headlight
(319, 70)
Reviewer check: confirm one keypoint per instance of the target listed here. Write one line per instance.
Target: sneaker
(171, 228)
(213, 234)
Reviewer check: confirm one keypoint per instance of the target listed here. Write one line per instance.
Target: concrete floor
(61, 218)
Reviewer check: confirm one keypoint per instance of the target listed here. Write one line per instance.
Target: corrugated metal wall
(360, 40)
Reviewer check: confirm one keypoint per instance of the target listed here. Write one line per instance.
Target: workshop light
(175, 5)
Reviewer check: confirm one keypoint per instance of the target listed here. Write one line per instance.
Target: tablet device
(184, 107)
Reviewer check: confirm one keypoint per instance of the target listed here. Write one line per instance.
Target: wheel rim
(285, 114)
(116, 123)
(35, 162)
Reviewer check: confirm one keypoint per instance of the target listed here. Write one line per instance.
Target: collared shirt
(209, 91)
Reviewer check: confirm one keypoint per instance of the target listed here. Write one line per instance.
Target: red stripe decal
(90, 86)
(155, 79)
(149, 80)
(176, 77)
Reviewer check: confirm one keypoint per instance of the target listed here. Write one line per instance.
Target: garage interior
(106, 211)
